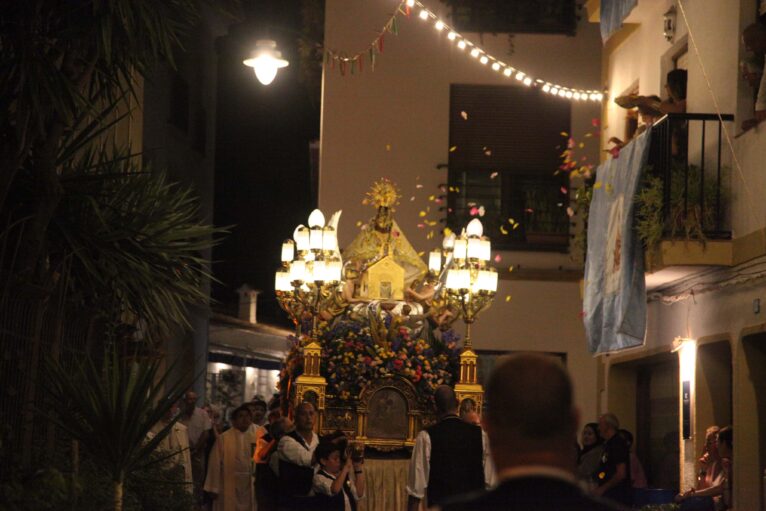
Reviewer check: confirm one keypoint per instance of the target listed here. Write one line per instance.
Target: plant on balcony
(689, 215)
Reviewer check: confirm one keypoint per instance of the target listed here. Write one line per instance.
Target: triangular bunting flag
(360, 61)
(342, 66)
(372, 58)
(353, 66)
(394, 26)
(380, 42)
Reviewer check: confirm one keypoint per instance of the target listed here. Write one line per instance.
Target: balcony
(687, 168)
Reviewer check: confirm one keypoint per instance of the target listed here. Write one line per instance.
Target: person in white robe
(230, 469)
(176, 444)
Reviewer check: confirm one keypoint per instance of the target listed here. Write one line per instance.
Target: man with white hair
(613, 473)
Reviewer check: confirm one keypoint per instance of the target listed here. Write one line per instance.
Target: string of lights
(462, 43)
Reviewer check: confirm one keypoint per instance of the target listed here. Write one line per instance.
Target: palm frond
(111, 410)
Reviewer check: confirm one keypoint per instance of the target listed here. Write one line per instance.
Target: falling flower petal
(581, 145)
(487, 152)
(516, 226)
(430, 235)
(388, 147)
(529, 210)
(588, 135)
(464, 115)
(438, 200)
(420, 254)
(564, 134)
(412, 199)
(473, 211)
(358, 223)
(507, 298)
(453, 149)
(498, 258)
(570, 212)
(447, 231)
(564, 190)
(418, 186)
(493, 175)
(431, 197)
(597, 185)
(503, 229)
(482, 211)
(510, 268)
(595, 121)
(422, 214)
(421, 226)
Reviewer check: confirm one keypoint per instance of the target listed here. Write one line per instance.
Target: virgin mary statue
(381, 237)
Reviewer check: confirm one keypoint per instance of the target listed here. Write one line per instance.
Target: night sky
(263, 171)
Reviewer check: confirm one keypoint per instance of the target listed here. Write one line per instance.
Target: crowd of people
(522, 455)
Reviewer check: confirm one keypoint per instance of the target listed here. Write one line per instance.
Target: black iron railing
(695, 183)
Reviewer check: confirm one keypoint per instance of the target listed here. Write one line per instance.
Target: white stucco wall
(394, 123)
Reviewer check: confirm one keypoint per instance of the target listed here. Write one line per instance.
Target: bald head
(530, 404)
(445, 400)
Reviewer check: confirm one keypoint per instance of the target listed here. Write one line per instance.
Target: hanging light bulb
(266, 61)
(424, 14)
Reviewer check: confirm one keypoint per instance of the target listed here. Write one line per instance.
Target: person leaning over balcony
(754, 37)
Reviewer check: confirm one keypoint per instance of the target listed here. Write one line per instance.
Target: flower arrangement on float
(352, 358)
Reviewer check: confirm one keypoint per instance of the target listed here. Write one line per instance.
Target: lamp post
(310, 273)
(471, 282)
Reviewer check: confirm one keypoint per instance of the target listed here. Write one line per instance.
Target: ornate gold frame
(407, 390)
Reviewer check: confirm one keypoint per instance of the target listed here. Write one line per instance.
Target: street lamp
(266, 60)
(310, 273)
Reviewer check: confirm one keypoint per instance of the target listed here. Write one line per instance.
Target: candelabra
(471, 282)
(310, 275)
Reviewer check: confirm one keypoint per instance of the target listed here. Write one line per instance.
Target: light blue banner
(615, 291)
(612, 14)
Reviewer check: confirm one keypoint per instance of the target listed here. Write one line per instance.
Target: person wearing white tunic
(176, 443)
(230, 471)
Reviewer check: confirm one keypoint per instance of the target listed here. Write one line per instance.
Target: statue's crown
(383, 193)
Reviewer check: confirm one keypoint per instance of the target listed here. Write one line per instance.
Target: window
(505, 144)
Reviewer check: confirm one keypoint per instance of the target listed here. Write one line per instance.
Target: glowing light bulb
(439, 25)
(562, 93)
(410, 3)
(508, 71)
(424, 14)
(527, 81)
(484, 59)
(576, 96)
(495, 66)
(519, 76)
(316, 219)
(475, 53)
(569, 94)
(554, 91)
(461, 45)
(474, 228)
(266, 61)
(546, 88)
(451, 36)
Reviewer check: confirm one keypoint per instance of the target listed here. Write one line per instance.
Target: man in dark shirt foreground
(531, 422)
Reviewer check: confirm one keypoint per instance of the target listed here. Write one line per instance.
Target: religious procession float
(374, 324)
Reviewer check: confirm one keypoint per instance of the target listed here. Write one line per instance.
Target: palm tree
(110, 411)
